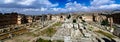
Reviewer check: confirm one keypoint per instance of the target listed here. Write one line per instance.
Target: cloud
(78, 7)
(26, 4)
(46, 2)
(111, 6)
(8, 1)
(30, 9)
(96, 5)
(73, 6)
(101, 2)
(43, 9)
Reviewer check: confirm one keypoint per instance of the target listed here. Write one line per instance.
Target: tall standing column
(111, 22)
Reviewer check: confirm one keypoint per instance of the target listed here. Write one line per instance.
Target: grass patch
(90, 28)
(31, 34)
(51, 30)
(59, 41)
(42, 40)
(57, 24)
(114, 27)
(48, 32)
(105, 34)
(84, 23)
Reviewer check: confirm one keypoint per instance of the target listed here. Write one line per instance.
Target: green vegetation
(48, 32)
(57, 24)
(105, 22)
(84, 23)
(51, 30)
(83, 20)
(42, 40)
(105, 34)
(61, 16)
(74, 21)
(114, 26)
(24, 41)
(32, 34)
(58, 41)
(90, 28)
(68, 17)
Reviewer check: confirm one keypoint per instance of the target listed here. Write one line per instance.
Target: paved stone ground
(75, 34)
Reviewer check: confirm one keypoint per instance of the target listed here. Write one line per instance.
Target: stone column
(111, 23)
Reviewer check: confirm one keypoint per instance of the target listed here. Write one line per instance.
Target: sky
(36, 7)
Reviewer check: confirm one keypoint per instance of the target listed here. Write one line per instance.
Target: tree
(69, 16)
(74, 20)
(104, 22)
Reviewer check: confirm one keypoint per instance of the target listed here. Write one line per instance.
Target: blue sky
(36, 7)
(63, 2)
